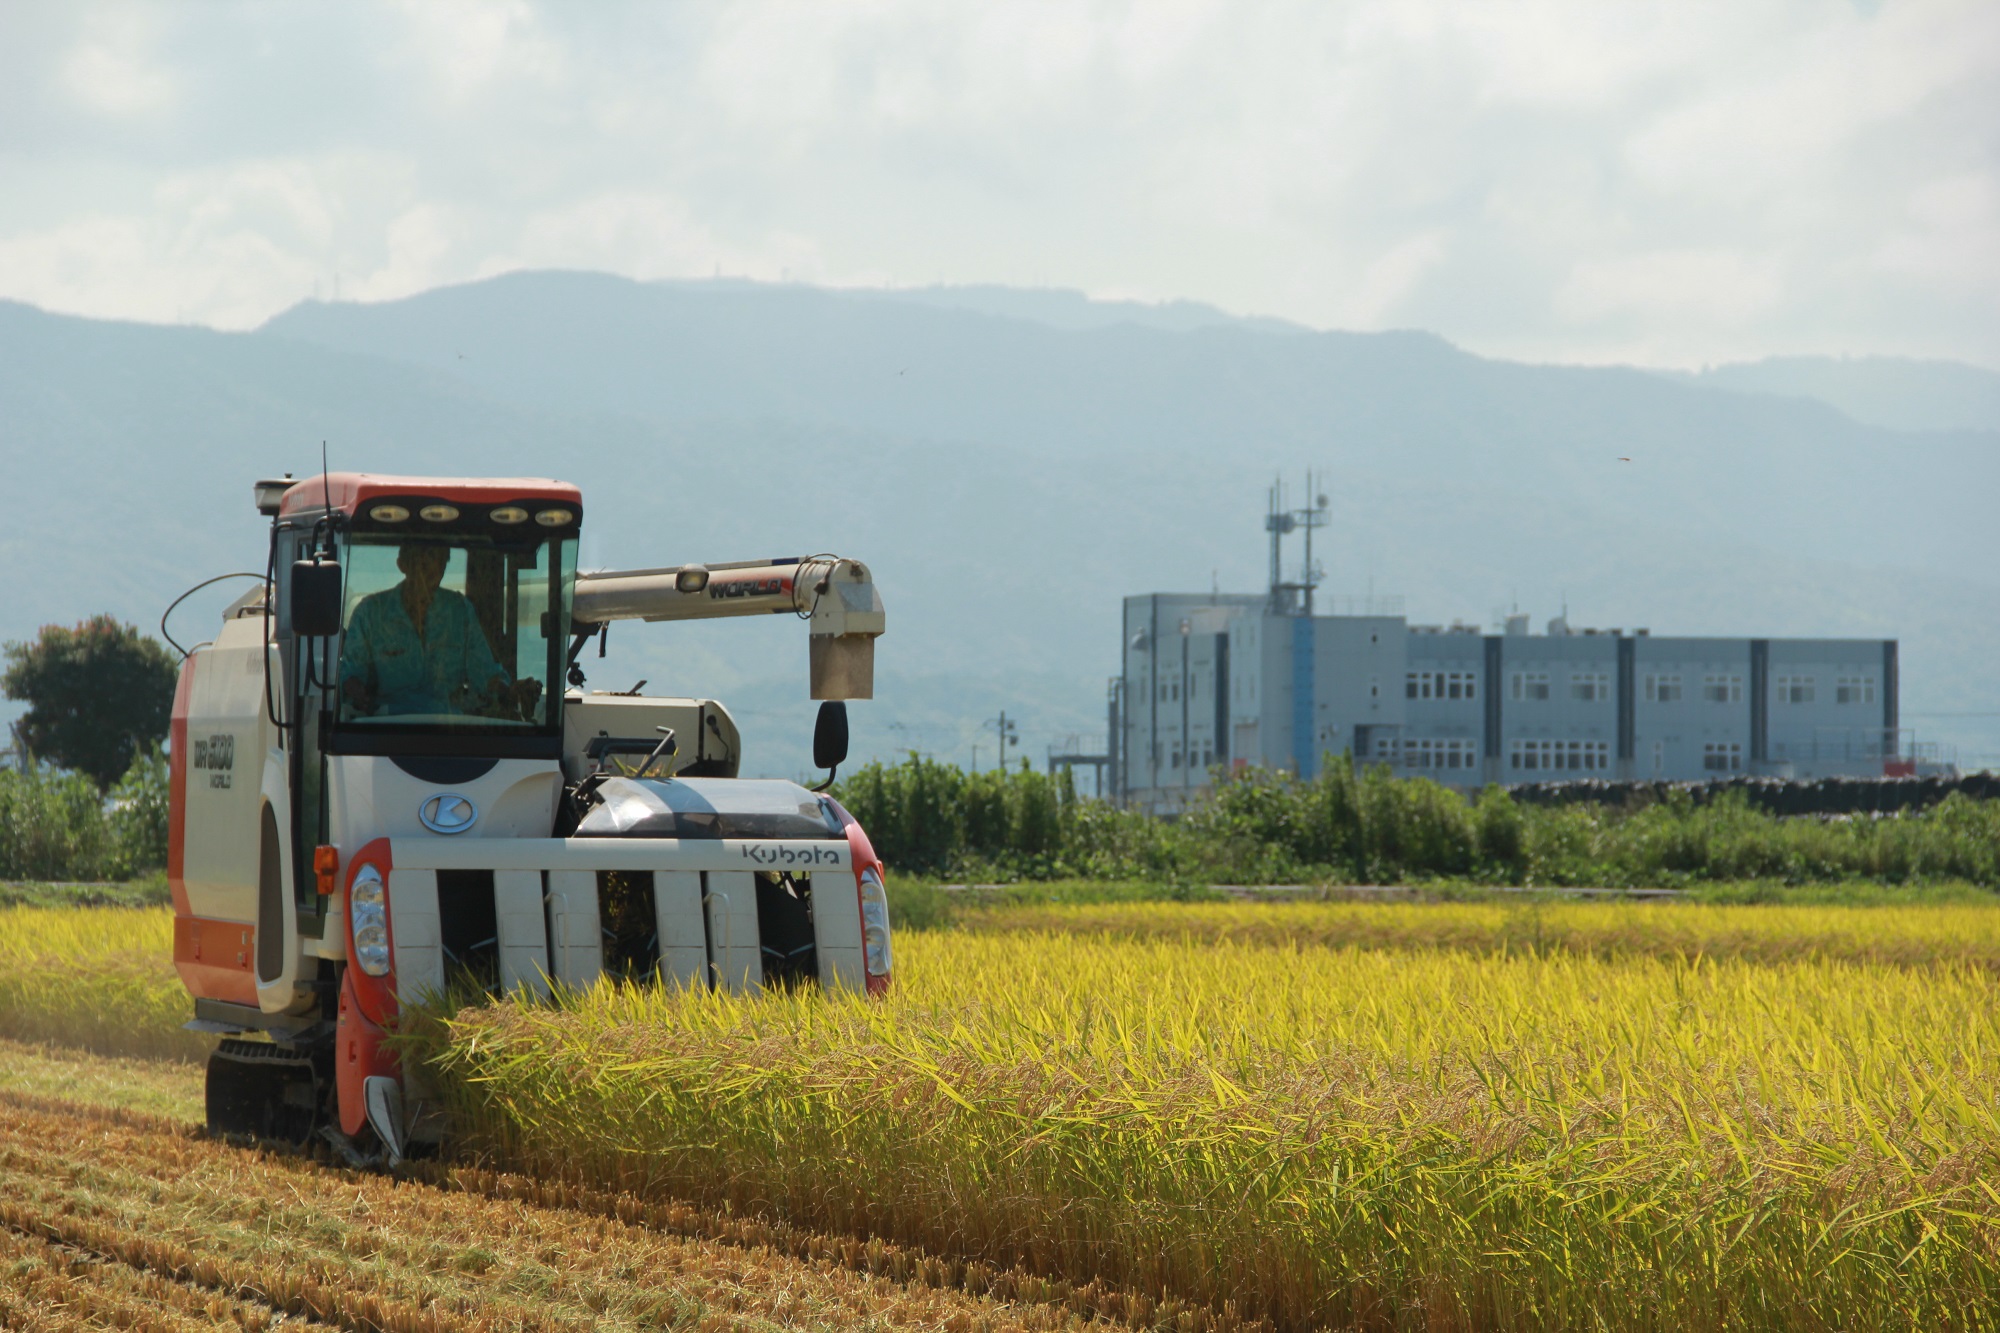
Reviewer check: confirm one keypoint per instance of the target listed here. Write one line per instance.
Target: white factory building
(1217, 679)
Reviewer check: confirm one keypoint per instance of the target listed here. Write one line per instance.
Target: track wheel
(260, 1090)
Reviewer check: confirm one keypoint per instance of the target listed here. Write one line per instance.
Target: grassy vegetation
(98, 978)
(146, 891)
(58, 826)
(1261, 827)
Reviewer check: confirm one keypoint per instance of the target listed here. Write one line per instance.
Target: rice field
(1964, 933)
(98, 978)
(1437, 1116)
(1382, 1137)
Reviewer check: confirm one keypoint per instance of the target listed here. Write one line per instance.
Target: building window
(1593, 687)
(1385, 749)
(1440, 685)
(1539, 756)
(1722, 689)
(1794, 690)
(1721, 757)
(1177, 759)
(1663, 689)
(1854, 689)
(1433, 753)
(1659, 758)
(1531, 685)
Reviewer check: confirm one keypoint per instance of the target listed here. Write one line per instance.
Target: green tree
(98, 695)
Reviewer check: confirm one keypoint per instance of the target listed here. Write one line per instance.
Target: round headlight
(438, 513)
(388, 513)
(555, 518)
(367, 888)
(510, 514)
(371, 948)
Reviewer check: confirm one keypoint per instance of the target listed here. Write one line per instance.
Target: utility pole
(1008, 735)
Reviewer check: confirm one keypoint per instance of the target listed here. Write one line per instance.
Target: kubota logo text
(780, 855)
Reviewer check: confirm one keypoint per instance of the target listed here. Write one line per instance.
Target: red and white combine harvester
(388, 783)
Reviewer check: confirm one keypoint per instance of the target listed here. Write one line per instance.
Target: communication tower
(1295, 597)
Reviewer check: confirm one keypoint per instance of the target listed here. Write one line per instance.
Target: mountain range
(1012, 463)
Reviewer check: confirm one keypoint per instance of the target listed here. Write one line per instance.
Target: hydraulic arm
(837, 596)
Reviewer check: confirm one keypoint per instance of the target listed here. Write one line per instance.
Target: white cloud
(1552, 179)
(1712, 286)
(112, 71)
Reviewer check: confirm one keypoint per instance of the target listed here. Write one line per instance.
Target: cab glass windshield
(461, 633)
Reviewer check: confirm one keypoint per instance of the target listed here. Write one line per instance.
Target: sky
(1670, 184)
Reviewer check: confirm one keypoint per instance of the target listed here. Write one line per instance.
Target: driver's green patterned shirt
(445, 670)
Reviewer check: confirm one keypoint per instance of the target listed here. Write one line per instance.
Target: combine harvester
(388, 782)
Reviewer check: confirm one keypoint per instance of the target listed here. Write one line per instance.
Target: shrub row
(58, 826)
(1366, 826)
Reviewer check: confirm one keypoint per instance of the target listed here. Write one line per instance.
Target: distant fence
(1778, 796)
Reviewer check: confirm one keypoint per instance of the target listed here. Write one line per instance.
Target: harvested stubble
(1435, 1139)
(1898, 936)
(101, 978)
(53, 1287)
(143, 1209)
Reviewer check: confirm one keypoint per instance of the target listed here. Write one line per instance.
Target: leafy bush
(57, 826)
(1260, 826)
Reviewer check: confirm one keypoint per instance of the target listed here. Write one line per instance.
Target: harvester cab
(391, 785)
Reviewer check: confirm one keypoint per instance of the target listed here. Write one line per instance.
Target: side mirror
(830, 736)
(315, 598)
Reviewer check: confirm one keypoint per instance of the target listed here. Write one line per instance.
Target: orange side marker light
(326, 864)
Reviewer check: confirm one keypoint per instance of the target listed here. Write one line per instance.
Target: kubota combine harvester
(388, 782)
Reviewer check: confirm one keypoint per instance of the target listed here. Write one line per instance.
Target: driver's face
(423, 565)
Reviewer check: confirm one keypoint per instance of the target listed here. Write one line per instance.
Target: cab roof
(346, 492)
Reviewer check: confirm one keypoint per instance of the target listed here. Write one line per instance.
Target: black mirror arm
(830, 775)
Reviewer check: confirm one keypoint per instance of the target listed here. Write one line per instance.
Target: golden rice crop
(1906, 936)
(1437, 1138)
(95, 977)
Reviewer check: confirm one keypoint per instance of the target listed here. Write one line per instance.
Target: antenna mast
(1294, 598)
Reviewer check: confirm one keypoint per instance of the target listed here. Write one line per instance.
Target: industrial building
(1231, 680)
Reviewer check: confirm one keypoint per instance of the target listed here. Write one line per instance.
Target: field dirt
(121, 1216)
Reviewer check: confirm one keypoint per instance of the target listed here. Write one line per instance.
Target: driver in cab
(418, 648)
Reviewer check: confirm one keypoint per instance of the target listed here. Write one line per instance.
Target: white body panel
(732, 929)
(523, 943)
(837, 933)
(704, 733)
(369, 797)
(677, 901)
(576, 944)
(228, 736)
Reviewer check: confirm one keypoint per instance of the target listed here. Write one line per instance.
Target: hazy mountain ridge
(1901, 393)
(1029, 478)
